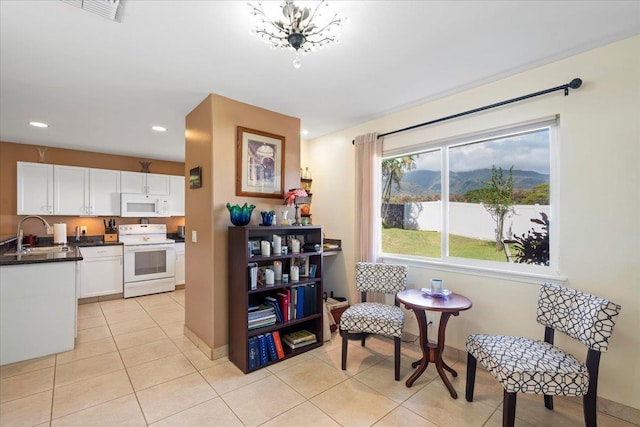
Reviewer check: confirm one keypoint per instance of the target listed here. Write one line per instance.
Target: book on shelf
(254, 353)
(273, 302)
(283, 301)
(293, 346)
(310, 299)
(299, 336)
(264, 353)
(253, 275)
(261, 323)
(260, 316)
(299, 300)
(271, 346)
(278, 344)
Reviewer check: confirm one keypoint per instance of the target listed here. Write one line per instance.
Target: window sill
(532, 276)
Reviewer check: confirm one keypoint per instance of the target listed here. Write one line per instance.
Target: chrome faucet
(20, 233)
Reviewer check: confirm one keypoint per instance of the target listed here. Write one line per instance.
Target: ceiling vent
(110, 9)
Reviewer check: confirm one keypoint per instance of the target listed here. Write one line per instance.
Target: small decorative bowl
(240, 215)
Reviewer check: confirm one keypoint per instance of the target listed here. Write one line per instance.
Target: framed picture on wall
(195, 177)
(259, 164)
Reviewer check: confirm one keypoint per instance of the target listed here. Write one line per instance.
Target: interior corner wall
(211, 143)
(599, 200)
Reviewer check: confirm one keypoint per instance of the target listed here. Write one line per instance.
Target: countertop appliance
(149, 259)
(181, 231)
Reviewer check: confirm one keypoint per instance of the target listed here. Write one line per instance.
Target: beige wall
(11, 153)
(211, 143)
(599, 199)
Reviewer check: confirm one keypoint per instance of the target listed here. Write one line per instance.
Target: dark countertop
(174, 236)
(73, 254)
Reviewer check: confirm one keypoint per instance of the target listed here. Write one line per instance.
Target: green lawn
(427, 244)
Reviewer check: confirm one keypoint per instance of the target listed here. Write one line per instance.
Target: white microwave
(143, 205)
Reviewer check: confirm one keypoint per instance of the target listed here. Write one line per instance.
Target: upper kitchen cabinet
(35, 189)
(145, 183)
(85, 191)
(176, 200)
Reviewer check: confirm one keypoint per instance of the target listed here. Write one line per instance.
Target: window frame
(495, 269)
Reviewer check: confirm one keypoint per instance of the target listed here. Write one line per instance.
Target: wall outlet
(83, 229)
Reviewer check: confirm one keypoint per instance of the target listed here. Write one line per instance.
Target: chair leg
(589, 406)
(508, 409)
(396, 356)
(548, 402)
(471, 376)
(345, 341)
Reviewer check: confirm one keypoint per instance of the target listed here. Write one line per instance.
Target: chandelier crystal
(300, 29)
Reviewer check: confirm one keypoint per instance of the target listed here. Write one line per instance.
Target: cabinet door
(70, 190)
(180, 267)
(133, 182)
(176, 199)
(35, 189)
(100, 275)
(158, 184)
(104, 192)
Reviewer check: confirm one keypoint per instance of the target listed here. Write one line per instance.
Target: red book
(278, 343)
(283, 300)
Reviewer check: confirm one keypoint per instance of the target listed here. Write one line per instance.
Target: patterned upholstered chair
(523, 365)
(366, 318)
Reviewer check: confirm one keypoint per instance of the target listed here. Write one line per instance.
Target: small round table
(419, 302)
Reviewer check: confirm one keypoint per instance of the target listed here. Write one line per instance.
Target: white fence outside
(471, 219)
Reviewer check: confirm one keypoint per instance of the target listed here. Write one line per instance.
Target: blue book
(271, 301)
(300, 302)
(264, 356)
(271, 345)
(254, 353)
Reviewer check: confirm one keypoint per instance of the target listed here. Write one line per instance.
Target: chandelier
(301, 29)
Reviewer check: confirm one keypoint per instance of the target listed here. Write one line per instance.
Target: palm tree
(392, 172)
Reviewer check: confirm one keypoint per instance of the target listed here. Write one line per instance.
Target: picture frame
(259, 164)
(313, 268)
(254, 247)
(303, 265)
(195, 177)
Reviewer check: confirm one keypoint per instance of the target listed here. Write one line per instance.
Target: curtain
(368, 222)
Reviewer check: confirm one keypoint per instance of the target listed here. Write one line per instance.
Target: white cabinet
(35, 189)
(85, 191)
(144, 183)
(104, 192)
(180, 263)
(176, 199)
(70, 190)
(101, 271)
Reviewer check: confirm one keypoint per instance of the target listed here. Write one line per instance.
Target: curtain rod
(573, 84)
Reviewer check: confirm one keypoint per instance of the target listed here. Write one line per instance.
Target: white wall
(598, 162)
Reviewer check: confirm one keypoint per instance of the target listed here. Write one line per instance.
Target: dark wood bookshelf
(241, 296)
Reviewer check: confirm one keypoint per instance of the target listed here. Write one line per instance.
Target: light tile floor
(132, 366)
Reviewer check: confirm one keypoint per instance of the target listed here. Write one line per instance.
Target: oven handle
(147, 248)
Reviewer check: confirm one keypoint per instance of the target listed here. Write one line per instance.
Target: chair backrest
(383, 278)
(587, 318)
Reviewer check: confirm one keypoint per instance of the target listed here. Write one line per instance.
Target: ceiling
(101, 85)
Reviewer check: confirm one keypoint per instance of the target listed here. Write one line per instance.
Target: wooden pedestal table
(420, 303)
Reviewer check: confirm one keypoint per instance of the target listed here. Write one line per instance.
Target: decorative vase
(267, 217)
(240, 215)
(284, 220)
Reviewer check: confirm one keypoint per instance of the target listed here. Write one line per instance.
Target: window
(480, 200)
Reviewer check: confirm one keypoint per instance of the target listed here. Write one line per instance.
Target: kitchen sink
(39, 250)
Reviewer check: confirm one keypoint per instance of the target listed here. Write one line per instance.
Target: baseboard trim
(211, 353)
(605, 406)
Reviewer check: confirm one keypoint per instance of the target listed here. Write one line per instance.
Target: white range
(149, 259)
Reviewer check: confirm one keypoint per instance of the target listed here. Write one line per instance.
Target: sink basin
(40, 250)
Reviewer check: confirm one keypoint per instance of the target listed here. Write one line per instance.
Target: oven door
(148, 262)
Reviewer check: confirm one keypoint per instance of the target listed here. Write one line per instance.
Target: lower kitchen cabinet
(101, 271)
(180, 263)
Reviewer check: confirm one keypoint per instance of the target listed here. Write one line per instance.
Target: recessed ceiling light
(304, 132)
(159, 128)
(39, 124)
